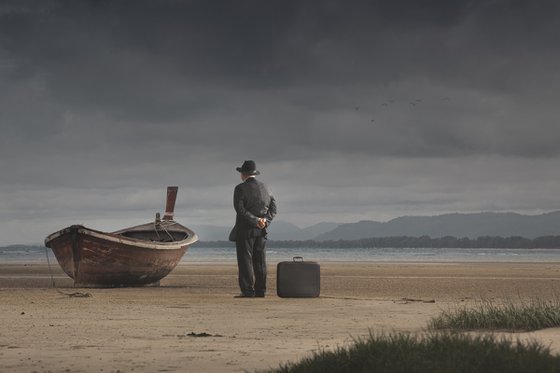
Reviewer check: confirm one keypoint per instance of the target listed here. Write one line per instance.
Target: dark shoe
(259, 295)
(244, 296)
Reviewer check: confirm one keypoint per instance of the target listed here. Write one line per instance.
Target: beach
(193, 323)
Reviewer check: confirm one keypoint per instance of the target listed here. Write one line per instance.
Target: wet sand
(192, 323)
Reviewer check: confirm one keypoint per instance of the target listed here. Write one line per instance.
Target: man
(255, 208)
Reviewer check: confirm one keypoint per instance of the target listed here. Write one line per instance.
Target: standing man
(255, 208)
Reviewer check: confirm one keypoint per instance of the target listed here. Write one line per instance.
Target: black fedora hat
(249, 168)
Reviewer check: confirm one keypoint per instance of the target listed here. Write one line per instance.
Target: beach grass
(489, 315)
(431, 352)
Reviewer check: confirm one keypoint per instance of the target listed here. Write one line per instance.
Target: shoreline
(149, 329)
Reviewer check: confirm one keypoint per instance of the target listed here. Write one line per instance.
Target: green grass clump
(430, 353)
(490, 316)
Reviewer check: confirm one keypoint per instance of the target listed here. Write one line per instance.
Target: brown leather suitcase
(298, 279)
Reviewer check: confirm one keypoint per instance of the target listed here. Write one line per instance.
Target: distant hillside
(279, 230)
(456, 225)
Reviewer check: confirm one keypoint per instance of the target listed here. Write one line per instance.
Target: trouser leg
(244, 248)
(259, 265)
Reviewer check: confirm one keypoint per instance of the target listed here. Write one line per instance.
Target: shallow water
(227, 254)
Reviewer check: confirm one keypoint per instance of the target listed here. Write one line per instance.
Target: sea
(38, 255)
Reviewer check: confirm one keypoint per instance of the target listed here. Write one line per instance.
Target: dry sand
(148, 329)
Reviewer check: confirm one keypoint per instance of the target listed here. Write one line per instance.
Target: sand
(192, 322)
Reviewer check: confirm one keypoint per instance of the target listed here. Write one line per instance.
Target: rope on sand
(76, 294)
(49, 264)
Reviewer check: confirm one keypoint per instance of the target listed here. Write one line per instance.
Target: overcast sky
(353, 110)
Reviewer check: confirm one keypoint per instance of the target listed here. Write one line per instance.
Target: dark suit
(252, 200)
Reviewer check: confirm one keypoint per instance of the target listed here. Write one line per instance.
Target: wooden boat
(135, 256)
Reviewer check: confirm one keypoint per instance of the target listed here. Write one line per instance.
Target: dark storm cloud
(178, 61)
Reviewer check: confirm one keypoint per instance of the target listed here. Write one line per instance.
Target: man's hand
(261, 223)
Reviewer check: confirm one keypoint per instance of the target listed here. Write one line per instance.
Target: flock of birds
(411, 104)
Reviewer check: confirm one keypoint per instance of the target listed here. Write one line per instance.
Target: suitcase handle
(300, 258)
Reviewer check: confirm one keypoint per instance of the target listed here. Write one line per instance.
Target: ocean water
(195, 254)
(383, 255)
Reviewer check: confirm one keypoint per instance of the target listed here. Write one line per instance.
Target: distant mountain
(318, 229)
(457, 225)
(279, 230)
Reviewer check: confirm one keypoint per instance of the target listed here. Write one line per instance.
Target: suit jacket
(251, 201)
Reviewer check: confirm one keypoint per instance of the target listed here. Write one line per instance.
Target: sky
(352, 110)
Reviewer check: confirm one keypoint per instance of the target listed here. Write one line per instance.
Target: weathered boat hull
(129, 257)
